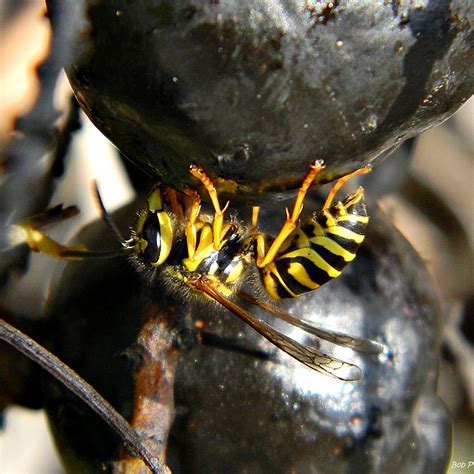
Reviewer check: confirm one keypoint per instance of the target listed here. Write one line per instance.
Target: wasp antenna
(89, 254)
(105, 215)
(81, 389)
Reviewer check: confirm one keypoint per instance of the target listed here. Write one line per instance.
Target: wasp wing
(341, 339)
(311, 357)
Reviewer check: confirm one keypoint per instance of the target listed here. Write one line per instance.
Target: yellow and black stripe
(224, 268)
(318, 251)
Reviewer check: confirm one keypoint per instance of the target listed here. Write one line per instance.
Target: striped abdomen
(318, 251)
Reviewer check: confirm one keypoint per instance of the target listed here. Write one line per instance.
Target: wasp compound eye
(154, 231)
(151, 235)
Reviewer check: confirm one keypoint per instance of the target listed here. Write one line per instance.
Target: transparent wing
(355, 343)
(309, 356)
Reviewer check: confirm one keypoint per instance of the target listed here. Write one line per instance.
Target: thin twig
(82, 389)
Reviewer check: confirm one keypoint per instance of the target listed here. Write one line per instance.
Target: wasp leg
(255, 212)
(176, 208)
(341, 182)
(199, 173)
(291, 221)
(190, 229)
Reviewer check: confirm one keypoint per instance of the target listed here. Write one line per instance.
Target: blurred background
(426, 187)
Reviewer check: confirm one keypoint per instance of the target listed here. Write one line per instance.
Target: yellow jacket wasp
(198, 256)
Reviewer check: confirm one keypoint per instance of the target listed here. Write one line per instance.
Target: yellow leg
(190, 230)
(290, 224)
(341, 182)
(199, 173)
(255, 212)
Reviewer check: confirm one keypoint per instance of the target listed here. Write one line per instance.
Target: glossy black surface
(254, 90)
(244, 406)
